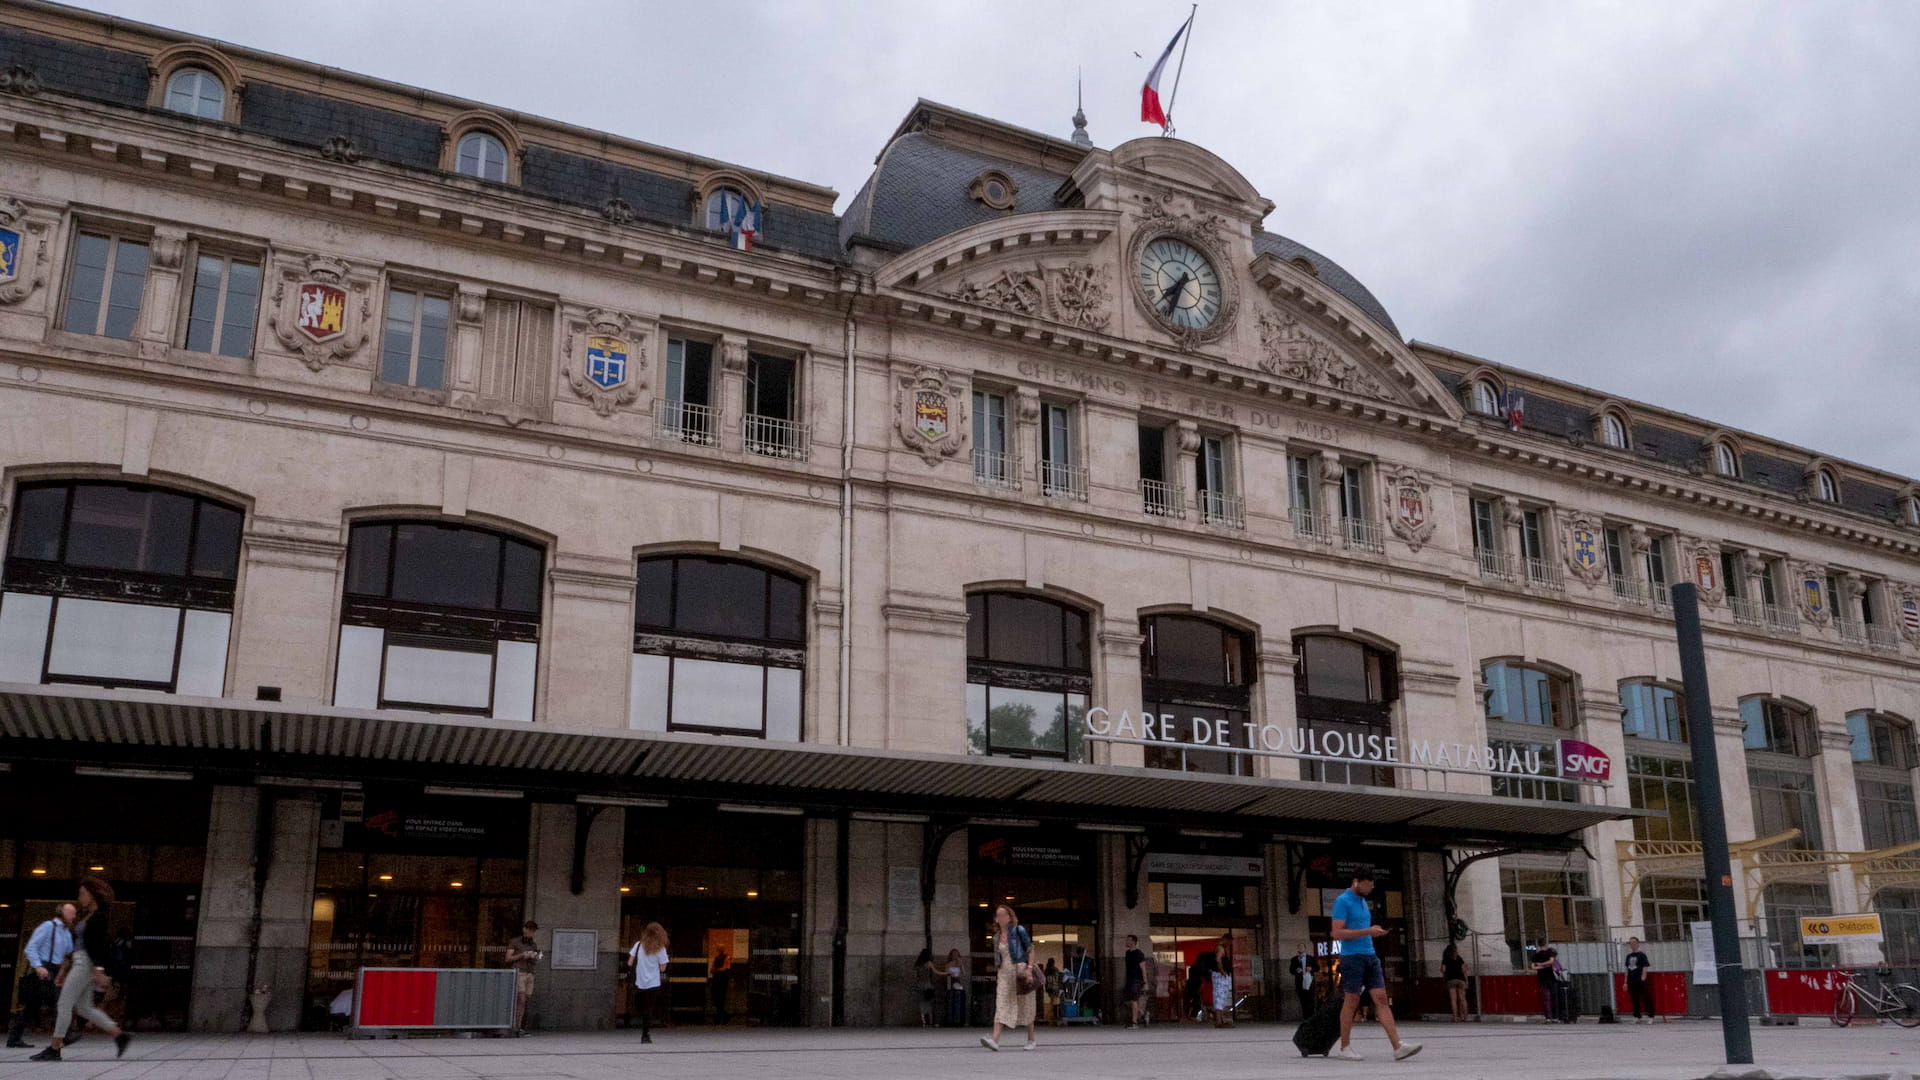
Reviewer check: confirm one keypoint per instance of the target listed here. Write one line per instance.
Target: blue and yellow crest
(1586, 547)
(9, 254)
(606, 362)
(1812, 594)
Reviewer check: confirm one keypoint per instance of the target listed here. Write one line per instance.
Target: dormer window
(1725, 462)
(1613, 431)
(1825, 487)
(1910, 510)
(193, 91)
(724, 207)
(1486, 398)
(993, 189)
(482, 156)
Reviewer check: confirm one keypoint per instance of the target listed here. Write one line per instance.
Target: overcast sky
(1713, 206)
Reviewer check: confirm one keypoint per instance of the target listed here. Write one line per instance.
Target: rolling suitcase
(1318, 1033)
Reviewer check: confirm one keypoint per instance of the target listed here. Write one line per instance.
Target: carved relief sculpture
(604, 360)
(1810, 592)
(1078, 296)
(1586, 547)
(1701, 563)
(1909, 605)
(23, 252)
(929, 408)
(1022, 292)
(1409, 497)
(1290, 351)
(321, 311)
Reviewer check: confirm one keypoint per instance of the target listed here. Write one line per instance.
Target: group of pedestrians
(70, 959)
(940, 989)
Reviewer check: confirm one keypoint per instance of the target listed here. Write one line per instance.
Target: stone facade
(308, 438)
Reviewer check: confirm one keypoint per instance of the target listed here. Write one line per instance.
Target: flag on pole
(1516, 404)
(746, 223)
(1150, 110)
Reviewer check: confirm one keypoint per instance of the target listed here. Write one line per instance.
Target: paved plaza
(1680, 1051)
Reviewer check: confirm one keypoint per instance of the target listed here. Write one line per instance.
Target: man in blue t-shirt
(1360, 969)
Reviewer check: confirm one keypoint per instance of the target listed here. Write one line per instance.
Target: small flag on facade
(1150, 109)
(745, 225)
(1516, 409)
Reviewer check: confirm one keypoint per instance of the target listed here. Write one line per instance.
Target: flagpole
(1185, 40)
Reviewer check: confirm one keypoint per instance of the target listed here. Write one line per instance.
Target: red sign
(1584, 761)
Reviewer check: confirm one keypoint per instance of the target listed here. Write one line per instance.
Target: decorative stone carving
(1078, 296)
(1510, 513)
(321, 310)
(1909, 605)
(1810, 593)
(1022, 292)
(993, 189)
(604, 359)
(618, 211)
(23, 252)
(1188, 436)
(341, 149)
(166, 248)
(930, 413)
(1586, 547)
(733, 355)
(1157, 211)
(1700, 561)
(19, 79)
(1409, 496)
(1291, 351)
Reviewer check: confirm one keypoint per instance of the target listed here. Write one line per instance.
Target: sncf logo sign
(1584, 761)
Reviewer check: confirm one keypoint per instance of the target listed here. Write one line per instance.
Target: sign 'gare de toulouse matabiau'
(1576, 761)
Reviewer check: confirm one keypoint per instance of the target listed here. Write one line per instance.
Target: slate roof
(1335, 275)
(69, 67)
(309, 120)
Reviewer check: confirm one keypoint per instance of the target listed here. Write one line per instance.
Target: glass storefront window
(1028, 676)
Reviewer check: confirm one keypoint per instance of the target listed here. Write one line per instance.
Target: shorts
(1135, 988)
(1456, 984)
(1361, 972)
(525, 982)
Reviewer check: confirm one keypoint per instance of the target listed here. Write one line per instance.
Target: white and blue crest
(606, 362)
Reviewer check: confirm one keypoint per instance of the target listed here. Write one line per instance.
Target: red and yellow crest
(322, 314)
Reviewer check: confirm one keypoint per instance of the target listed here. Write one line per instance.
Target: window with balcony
(440, 618)
(1194, 668)
(1061, 474)
(1303, 483)
(1781, 741)
(772, 427)
(1524, 703)
(1029, 673)
(1160, 494)
(1541, 569)
(1883, 761)
(105, 281)
(994, 462)
(1213, 480)
(1486, 540)
(1659, 552)
(221, 310)
(1358, 529)
(1624, 585)
(120, 585)
(1875, 615)
(1346, 687)
(413, 350)
(685, 411)
(719, 646)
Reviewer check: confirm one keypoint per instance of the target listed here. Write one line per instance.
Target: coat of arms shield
(322, 311)
(1811, 595)
(1412, 506)
(9, 255)
(606, 361)
(931, 414)
(1586, 548)
(1704, 574)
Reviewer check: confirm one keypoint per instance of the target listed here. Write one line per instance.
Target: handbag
(1025, 981)
(1560, 975)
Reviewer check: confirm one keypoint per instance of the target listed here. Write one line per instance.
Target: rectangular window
(1663, 784)
(1732, 561)
(1159, 495)
(1785, 799)
(516, 354)
(1533, 537)
(1616, 553)
(1769, 589)
(1213, 478)
(1868, 616)
(414, 349)
(1300, 483)
(1548, 906)
(772, 426)
(1657, 570)
(685, 409)
(1353, 493)
(1153, 453)
(105, 285)
(1060, 472)
(992, 457)
(226, 296)
(1486, 534)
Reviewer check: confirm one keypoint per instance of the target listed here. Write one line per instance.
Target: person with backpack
(1015, 981)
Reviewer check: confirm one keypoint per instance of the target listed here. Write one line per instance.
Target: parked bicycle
(1898, 1002)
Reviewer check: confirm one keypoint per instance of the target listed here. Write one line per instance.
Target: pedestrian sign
(1833, 929)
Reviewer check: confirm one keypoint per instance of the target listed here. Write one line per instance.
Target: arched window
(719, 646)
(1725, 462)
(481, 155)
(1613, 431)
(195, 91)
(1910, 509)
(1883, 760)
(1659, 762)
(1521, 700)
(1346, 687)
(1486, 398)
(111, 584)
(1197, 669)
(725, 206)
(440, 618)
(1825, 487)
(1781, 743)
(1028, 676)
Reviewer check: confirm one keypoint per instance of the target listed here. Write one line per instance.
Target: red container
(1803, 993)
(1669, 993)
(1510, 995)
(397, 998)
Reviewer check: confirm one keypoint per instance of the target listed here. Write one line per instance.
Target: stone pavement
(1678, 1051)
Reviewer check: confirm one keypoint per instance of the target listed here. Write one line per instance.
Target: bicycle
(1899, 1002)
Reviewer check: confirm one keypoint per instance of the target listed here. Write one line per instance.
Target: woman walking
(649, 959)
(80, 976)
(1223, 982)
(923, 979)
(1453, 967)
(1014, 983)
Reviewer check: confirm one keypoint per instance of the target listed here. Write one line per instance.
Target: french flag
(746, 222)
(1150, 110)
(1516, 404)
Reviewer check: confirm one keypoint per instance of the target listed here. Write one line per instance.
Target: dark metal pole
(1732, 975)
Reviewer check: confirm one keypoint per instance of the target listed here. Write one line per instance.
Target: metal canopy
(132, 728)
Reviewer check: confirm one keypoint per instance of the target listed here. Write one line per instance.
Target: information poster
(1185, 898)
(1706, 970)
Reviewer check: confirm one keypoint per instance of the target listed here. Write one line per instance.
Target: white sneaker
(989, 1043)
(1406, 1051)
(1031, 1045)
(1347, 1053)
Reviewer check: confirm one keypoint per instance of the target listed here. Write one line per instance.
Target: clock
(1179, 284)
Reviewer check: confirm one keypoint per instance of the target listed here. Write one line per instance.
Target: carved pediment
(1075, 293)
(1292, 349)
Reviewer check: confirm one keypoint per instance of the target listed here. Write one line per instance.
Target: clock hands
(1170, 296)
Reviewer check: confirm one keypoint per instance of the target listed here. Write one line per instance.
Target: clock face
(1181, 285)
